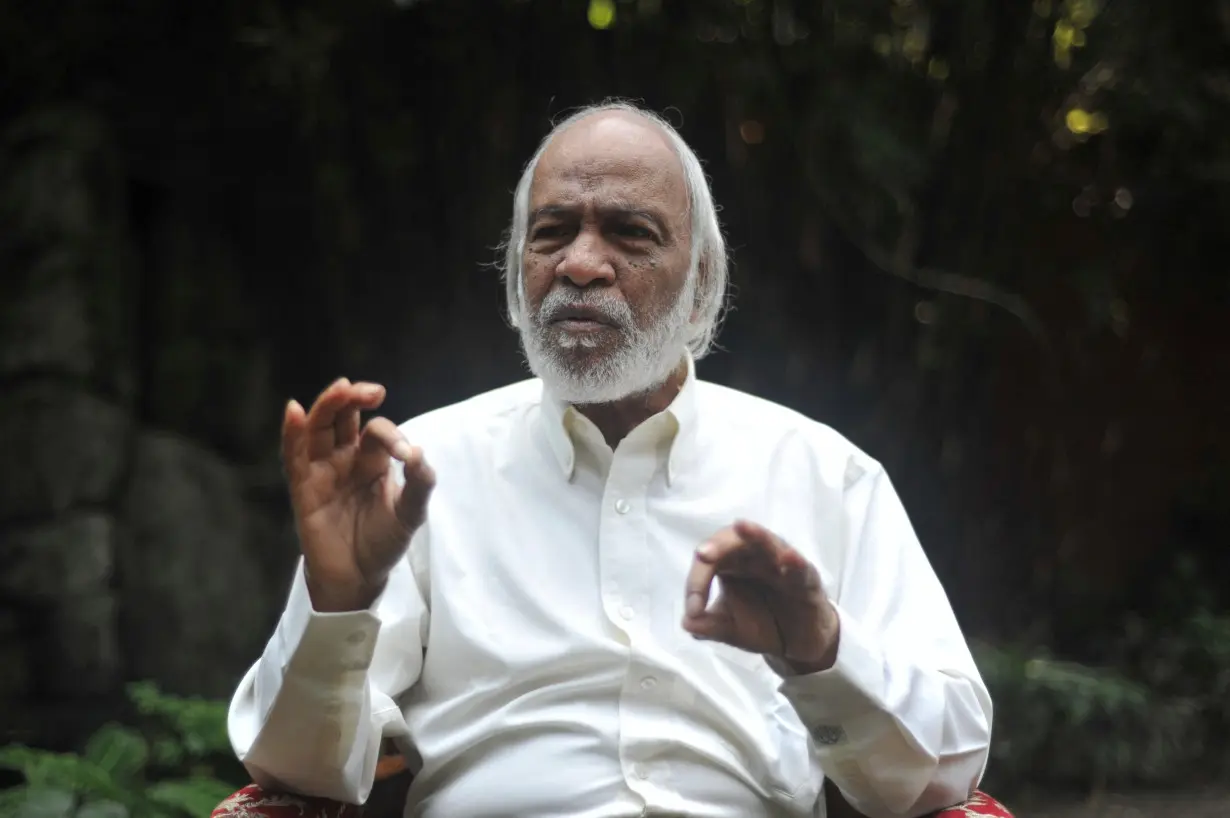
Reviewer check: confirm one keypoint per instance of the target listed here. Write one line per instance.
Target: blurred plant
(1159, 715)
(160, 769)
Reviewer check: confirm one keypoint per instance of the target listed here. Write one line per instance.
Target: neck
(616, 419)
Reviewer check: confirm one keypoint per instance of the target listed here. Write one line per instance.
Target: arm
(310, 715)
(902, 720)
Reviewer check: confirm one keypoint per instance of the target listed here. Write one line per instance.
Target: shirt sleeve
(310, 715)
(902, 721)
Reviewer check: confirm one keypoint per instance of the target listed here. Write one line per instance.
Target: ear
(515, 308)
(702, 279)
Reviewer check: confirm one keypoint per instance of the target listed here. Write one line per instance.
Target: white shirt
(529, 653)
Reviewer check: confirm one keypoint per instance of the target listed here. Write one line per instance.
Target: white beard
(577, 370)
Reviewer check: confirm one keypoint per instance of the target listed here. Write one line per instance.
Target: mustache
(560, 301)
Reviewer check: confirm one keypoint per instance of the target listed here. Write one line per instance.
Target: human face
(607, 279)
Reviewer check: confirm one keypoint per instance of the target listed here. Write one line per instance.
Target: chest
(530, 563)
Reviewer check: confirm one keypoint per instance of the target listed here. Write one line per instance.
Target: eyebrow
(557, 211)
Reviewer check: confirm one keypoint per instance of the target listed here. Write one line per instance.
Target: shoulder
(748, 420)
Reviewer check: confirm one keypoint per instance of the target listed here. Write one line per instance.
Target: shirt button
(640, 772)
(627, 613)
(649, 683)
(623, 506)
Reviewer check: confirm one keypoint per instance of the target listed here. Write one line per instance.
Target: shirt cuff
(832, 702)
(325, 645)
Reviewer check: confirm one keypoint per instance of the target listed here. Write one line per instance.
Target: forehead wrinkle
(604, 208)
(652, 198)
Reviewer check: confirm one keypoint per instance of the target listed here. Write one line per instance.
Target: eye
(634, 231)
(547, 231)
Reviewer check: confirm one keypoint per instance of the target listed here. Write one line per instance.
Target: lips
(581, 316)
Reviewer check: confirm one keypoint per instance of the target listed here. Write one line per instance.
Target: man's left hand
(771, 599)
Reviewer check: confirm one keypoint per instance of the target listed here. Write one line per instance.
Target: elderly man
(613, 590)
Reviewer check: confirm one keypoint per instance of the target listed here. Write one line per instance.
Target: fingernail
(705, 550)
(403, 451)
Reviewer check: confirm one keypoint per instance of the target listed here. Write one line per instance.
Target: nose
(586, 261)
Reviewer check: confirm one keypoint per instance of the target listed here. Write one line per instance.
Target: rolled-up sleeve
(310, 715)
(902, 721)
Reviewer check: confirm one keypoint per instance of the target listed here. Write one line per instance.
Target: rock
(14, 669)
(80, 656)
(63, 448)
(194, 607)
(209, 372)
(59, 171)
(45, 328)
(71, 555)
(67, 293)
(64, 635)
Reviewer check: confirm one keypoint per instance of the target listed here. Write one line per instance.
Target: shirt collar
(678, 422)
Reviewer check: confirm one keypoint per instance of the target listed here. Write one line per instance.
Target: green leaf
(20, 758)
(45, 769)
(192, 796)
(40, 803)
(198, 724)
(103, 809)
(120, 751)
(168, 752)
(145, 696)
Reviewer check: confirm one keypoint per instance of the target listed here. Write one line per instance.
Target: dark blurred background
(985, 240)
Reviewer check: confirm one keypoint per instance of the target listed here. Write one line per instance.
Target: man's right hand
(354, 521)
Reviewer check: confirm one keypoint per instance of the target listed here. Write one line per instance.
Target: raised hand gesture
(353, 519)
(771, 599)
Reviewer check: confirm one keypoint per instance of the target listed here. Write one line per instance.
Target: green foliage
(161, 769)
(1156, 718)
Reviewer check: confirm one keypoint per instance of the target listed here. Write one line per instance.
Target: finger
(320, 430)
(778, 557)
(754, 533)
(420, 480)
(363, 397)
(715, 625)
(704, 568)
(380, 440)
(750, 551)
(294, 441)
(789, 569)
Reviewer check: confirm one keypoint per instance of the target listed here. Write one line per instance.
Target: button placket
(622, 550)
(621, 529)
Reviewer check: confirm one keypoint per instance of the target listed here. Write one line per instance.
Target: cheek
(536, 277)
(652, 282)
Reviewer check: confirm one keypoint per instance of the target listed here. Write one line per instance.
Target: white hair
(708, 245)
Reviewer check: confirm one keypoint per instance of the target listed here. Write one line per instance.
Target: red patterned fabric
(252, 802)
(980, 804)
